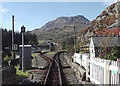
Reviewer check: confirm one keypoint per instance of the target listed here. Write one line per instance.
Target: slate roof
(106, 41)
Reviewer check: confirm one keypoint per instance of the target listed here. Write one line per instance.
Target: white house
(92, 48)
(103, 41)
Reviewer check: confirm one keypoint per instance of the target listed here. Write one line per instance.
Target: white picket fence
(104, 71)
(81, 59)
(101, 71)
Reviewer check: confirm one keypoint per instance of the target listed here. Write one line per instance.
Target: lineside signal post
(23, 31)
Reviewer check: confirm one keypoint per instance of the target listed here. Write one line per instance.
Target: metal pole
(13, 36)
(23, 52)
(74, 39)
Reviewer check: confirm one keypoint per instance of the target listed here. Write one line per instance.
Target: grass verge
(20, 74)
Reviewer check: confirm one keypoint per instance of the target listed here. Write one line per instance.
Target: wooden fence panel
(98, 71)
(101, 71)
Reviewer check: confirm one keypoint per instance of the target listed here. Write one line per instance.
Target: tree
(30, 39)
(114, 53)
(68, 44)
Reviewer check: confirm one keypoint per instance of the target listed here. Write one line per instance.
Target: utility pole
(74, 36)
(22, 31)
(74, 39)
(13, 36)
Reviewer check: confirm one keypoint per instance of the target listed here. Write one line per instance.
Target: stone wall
(8, 75)
(8, 71)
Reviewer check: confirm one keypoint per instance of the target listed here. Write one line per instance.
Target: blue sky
(35, 14)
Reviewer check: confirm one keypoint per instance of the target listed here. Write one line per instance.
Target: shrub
(20, 74)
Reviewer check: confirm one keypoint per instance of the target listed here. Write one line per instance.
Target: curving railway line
(54, 75)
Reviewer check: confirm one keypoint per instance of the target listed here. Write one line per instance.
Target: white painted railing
(84, 60)
(115, 72)
(104, 71)
(77, 58)
(80, 59)
(101, 71)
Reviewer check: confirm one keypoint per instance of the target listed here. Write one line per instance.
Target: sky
(35, 14)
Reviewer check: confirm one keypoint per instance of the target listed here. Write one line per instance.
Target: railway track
(53, 76)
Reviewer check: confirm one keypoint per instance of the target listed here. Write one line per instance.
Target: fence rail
(101, 71)
(81, 59)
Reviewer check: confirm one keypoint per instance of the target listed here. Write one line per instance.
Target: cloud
(109, 2)
(3, 10)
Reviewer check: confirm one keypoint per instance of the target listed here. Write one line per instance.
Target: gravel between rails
(68, 72)
(39, 62)
(39, 69)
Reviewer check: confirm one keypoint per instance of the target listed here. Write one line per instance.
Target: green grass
(41, 41)
(51, 53)
(6, 58)
(20, 74)
(43, 51)
(34, 54)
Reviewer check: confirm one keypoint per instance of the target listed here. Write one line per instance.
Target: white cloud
(109, 2)
(3, 10)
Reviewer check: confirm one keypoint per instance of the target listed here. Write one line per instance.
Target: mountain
(110, 17)
(60, 27)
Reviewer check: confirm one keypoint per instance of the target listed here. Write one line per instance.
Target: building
(107, 32)
(47, 46)
(102, 41)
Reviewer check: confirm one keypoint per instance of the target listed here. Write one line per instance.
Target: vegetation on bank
(20, 74)
(30, 39)
(114, 53)
(6, 58)
(51, 53)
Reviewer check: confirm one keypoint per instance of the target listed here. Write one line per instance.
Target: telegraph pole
(74, 39)
(13, 36)
(22, 31)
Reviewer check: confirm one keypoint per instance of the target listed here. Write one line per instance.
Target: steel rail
(52, 69)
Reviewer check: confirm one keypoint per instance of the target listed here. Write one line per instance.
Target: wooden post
(87, 69)
(106, 72)
(13, 36)
(118, 60)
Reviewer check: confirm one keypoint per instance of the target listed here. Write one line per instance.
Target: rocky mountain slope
(60, 27)
(107, 19)
(56, 31)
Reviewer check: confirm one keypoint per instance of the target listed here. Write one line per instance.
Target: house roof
(108, 32)
(106, 41)
(44, 44)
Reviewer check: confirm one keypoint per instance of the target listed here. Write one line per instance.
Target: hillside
(57, 31)
(110, 17)
(59, 28)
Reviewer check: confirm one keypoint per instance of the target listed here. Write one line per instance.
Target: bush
(6, 58)
(20, 74)
(114, 54)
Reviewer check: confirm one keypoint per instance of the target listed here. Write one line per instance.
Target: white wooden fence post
(118, 72)
(87, 69)
(106, 72)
